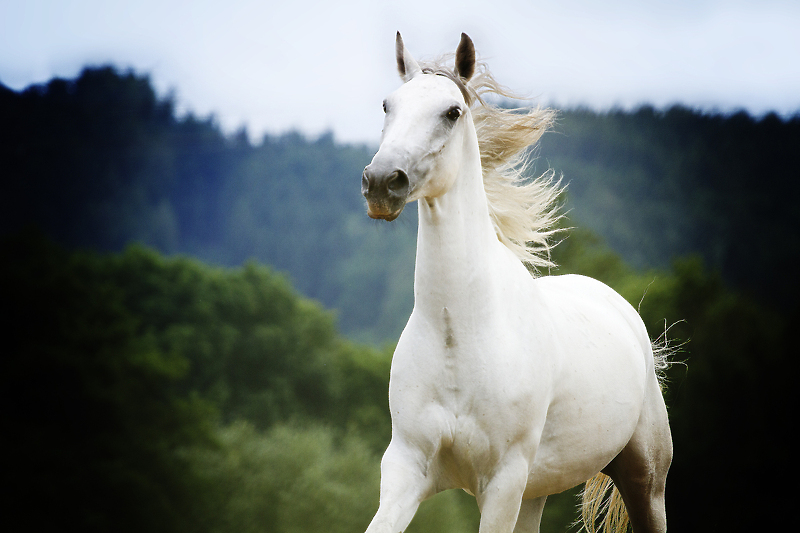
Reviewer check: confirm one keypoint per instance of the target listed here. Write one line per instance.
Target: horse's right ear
(406, 65)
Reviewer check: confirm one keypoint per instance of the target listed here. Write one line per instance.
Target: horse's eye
(453, 113)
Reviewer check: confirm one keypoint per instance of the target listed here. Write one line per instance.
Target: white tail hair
(602, 508)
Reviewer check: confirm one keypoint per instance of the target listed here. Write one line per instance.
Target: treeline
(658, 184)
(152, 394)
(163, 394)
(728, 393)
(101, 161)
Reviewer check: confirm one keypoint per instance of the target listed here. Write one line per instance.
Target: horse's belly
(569, 455)
(568, 452)
(585, 429)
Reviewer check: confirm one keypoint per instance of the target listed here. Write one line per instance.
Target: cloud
(316, 66)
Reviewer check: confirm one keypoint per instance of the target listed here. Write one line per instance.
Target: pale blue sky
(319, 65)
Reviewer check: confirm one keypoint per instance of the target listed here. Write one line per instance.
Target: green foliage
(290, 479)
(253, 345)
(94, 413)
(728, 404)
(727, 390)
(658, 184)
(101, 161)
(167, 395)
(157, 393)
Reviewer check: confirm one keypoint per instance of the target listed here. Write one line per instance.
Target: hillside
(101, 161)
(661, 184)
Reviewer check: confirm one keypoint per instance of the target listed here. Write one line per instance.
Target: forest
(201, 327)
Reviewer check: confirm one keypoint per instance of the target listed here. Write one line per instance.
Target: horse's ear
(406, 65)
(465, 58)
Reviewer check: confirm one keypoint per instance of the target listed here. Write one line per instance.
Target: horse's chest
(466, 390)
(465, 454)
(471, 449)
(465, 401)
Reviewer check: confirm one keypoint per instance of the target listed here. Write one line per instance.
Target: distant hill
(101, 161)
(657, 184)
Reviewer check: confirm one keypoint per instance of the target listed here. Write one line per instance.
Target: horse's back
(594, 315)
(597, 334)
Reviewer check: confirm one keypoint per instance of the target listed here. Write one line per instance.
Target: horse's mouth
(381, 213)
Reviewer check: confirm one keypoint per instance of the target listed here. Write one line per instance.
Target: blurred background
(201, 316)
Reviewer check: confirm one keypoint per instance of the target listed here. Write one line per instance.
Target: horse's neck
(455, 242)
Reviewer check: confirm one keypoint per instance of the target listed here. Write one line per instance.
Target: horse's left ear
(465, 58)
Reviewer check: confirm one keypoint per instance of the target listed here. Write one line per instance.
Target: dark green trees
(155, 392)
(135, 386)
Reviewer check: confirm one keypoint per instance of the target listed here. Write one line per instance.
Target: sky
(318, 66)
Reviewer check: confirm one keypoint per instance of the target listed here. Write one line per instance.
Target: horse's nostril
(364, 183)
(398, 181)
(379, 185)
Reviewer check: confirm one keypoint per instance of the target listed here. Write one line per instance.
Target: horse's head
(426, 120)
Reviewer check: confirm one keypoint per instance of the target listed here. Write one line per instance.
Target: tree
(95, 420)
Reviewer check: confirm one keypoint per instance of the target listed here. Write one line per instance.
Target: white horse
(507, 385)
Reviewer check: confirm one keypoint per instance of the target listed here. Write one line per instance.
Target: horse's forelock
(452, 76)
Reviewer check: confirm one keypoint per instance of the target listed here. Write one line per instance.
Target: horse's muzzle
(386, 192)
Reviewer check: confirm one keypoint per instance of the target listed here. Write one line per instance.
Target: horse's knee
(501, 500)
(530, 515)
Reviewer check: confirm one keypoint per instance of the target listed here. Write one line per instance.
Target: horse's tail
(602, 509)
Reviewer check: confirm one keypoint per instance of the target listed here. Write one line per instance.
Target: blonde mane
(524, 211)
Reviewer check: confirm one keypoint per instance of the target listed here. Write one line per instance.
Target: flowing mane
(524, 211)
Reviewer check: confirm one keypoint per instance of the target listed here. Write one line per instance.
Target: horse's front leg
(404, 485)
(500, 501)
